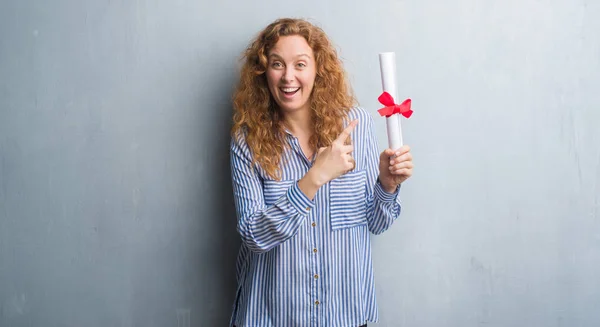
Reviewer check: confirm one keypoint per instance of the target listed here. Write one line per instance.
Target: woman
(308, 183)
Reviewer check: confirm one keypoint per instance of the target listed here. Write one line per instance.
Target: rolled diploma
(387, 65)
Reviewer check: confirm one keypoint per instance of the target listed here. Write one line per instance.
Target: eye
(301, 65)
(276, 64)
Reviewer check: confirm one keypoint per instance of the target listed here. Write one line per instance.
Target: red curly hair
(257, 114)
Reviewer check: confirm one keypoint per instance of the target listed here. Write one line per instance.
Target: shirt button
(316, 276)
(307, 208)
(317, 302)
(314, 224)
(315, 250)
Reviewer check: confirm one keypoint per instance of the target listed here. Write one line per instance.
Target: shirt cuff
(384, 196)
(299, 200)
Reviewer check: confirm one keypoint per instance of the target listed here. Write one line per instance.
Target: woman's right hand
(330, 163)
(335, 160)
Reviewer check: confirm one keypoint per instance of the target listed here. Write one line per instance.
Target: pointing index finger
(346, 132)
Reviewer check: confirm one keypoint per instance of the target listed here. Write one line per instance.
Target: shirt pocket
(273, 190)
(348, 201)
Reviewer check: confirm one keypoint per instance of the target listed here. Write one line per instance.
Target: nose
(288, 75)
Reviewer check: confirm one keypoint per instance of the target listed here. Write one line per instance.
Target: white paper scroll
(387, 65)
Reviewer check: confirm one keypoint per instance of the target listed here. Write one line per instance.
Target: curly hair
(257, 114)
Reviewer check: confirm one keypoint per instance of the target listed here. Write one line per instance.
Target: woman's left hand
(395, 168)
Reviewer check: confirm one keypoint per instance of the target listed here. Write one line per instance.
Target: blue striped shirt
(308, 262)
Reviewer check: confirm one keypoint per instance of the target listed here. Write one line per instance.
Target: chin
(292, 107)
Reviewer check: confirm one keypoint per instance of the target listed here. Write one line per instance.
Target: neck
(299, 123)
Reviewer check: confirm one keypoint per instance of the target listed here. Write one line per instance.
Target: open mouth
(289, 91)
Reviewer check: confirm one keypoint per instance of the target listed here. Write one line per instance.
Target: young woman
(309, 184)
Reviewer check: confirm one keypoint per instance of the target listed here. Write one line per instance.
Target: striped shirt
(308, 262)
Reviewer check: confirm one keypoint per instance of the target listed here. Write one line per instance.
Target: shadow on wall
(227, 240)
(230, 241)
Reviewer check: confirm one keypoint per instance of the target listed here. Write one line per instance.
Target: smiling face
(291, 73)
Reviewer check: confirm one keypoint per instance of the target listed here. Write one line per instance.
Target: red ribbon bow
(391, 107)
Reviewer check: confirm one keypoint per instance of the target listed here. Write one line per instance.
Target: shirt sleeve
(263, 227)
(382, 207)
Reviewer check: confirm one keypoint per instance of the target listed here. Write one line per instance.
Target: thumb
(389, 152)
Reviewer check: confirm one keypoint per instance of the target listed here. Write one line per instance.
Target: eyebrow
(297, 56)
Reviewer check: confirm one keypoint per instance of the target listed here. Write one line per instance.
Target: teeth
(290, 89)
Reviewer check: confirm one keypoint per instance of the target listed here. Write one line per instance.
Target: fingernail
(391, 162)
(397, 153)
